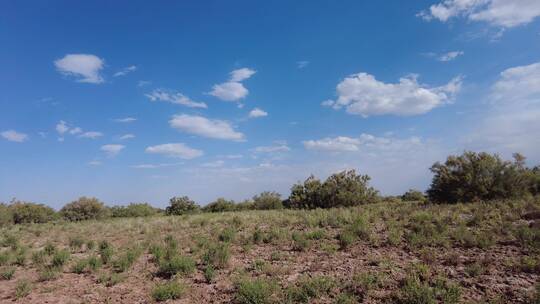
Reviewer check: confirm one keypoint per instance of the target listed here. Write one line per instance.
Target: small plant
(49, 249)
(76, 243)
(39, 257)
(48, 274)
(258, 236)
(20, 256)
(106, 252)
(318, 234)
(257, 291)
(158, 253)
(309, 288)
(124, 262)
(79, 266)
(217, 255)
(60, 258)
(227, 235)
(10, 241)
(177, 264)
(7, 273)
(110, 279)
(90, 245)
(300, 242)
(168, 291)
(209, 273)
(346, 238)
(5, 257)
(94, 263)
(22, 289)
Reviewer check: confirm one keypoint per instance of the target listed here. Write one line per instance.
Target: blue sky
(134, 101)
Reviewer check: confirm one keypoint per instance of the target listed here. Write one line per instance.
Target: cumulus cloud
(175, 98)
(125, 119)
(179, 150)
(14, 136)
(365, 143)
(112, 149)
(500, 13)
(91, 135)
(255, 113)
(450, 56)
(125, 71)
(211, 128)
(127, 136)
(84, 67)
(233, 90)
(364, 95)
(512, 122)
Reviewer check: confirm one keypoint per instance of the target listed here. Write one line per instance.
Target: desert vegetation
(473, 237)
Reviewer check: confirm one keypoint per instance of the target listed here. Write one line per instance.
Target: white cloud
(155, 166)
(364, 143)
(302, 64)
(255, 113)
(14, 136)
(175, 98)
(62, 127)
(272, 149)
(214, 164)
(512, 122)
(179, 150)
(112, 149)
(84, 67)
(125, 71)
(241, 74)
(91, 135)
(125, 120)
(233, 90)
(500, 13)
(450, 56)
(198, 125)
(364, 95)
(94, 163)
(127, 136)
(142, 83)
(75, 131)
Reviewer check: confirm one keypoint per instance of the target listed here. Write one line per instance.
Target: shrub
(76, 243)
(413, 196)
(110, 279)
(60, 258)
(217, 255)
(22, 289)
(346, 238)
(268, 200)
(220, 205)
(105, 252)
(300, 242)
(181, 205)
(7, 273)
(308, 288)
(227, 235)
(255, 291)
(133, 210)
(84, 209)
(94, 263)
(177, 264)
(24, 212)
(125, 261)
(79, 266)
(478, 177)
(341, 189)
(39, 257)
(48, 274)
(6, 217)
(168, 291)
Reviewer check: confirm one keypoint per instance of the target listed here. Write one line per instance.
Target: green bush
(341, 189)
(181, 205)
(60, 258)
(217, 255)
(308, 288)
(6, 218)
(413, 196)
(133, 210)
(177, 264)
(220, 205)
(24, 212)
(268, 200)
(168, 291)
(255, 291)
(478, 177)
(105, 251)
(84, 209)
(227, 235)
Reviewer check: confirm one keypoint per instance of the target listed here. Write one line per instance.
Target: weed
(22, 289)
(227, 235)
(255, 291)
(5, 258)
(346, 238)
(106, 252)
(309, 288)
(79, 266)
(110, 279)
(178, 264)
(60, 258)
(48, 274)
(76, 243)
(39, 257)
(300, 242)
(7, 273)
(168, 291)
(209, 273)
(217, 255)
(49, 249)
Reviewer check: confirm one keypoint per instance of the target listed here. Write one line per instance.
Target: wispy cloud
(125, 119)
(175, 98)
(112, 149)
(179, 150)
(125, 71)
(14, 136)
(302, 64)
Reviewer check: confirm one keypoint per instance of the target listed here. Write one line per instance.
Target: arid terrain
(402, 252)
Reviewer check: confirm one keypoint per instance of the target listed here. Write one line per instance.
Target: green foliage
(24, 212)
(227, 235)
(341, 189)
(134, 210)
(7, 273)
(84, 209)
(308, 288)
(300, 242)
(209, 273)
(6, 217)
(39, 257)
(181, 205)
(79, 266)
(217, 255)
(183, 265)
(49, 249)
(168, 291)
(48, 274)
(110, 279)
(94, 263)
(413, 196)
(22, 289)
(268, 200)
(60, 258)
(106, 252)
(20, 256)
(481, 176)
(255, 291)
(220, 205)
(5, 258)
(76, 243)
(126, 260)
(346, 238)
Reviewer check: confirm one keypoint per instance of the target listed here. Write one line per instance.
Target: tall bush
(413, 196)
(25, 212)
(220, 205)
(478, 177)
(85, 208)
(343, 189)
(133, 210)
(268, 200)
(181, 205)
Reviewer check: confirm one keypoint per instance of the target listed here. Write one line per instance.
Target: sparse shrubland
(134, 210)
